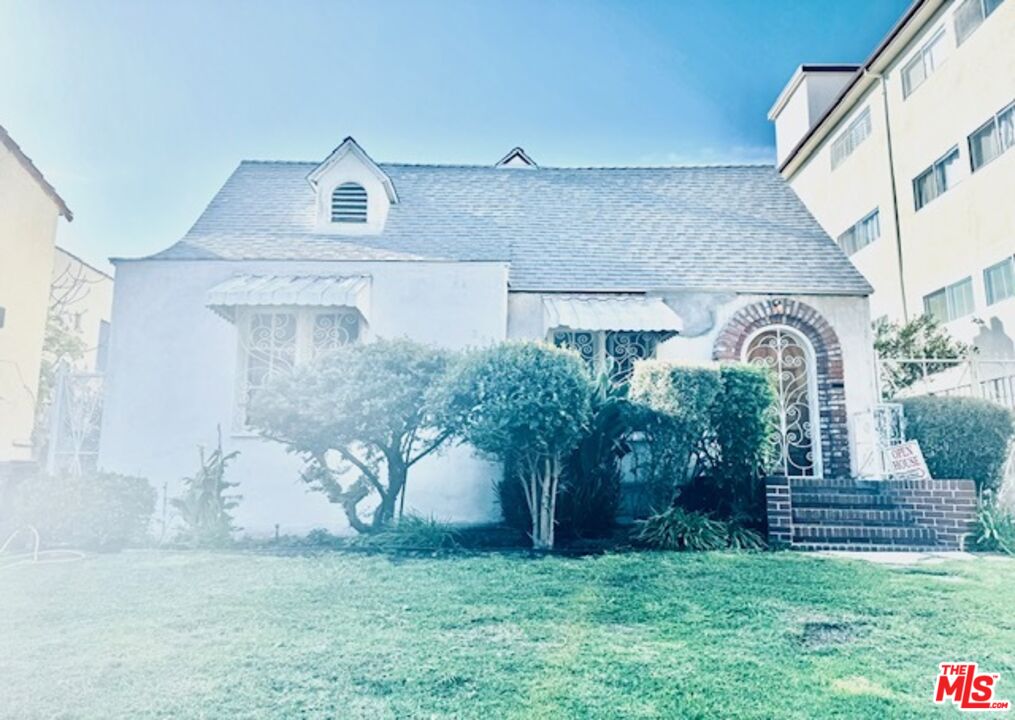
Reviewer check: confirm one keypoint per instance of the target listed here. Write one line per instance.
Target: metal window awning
(290, 290)
(610, 312)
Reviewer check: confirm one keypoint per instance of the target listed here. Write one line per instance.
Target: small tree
(526, 404)
(206, 504)
(921, 338)
(360, 408)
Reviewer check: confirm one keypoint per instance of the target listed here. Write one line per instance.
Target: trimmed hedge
(961, 437)
(678, 398)
(730, 481)
(709, 437)
(100, 511)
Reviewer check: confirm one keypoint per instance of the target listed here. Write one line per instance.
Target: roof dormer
(516, 158)
(353, 193)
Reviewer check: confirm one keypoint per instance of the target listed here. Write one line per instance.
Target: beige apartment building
(29, 211)
(909, 161)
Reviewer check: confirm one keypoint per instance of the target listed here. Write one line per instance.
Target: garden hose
(35, 556)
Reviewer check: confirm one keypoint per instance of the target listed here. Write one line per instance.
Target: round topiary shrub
(962, 438)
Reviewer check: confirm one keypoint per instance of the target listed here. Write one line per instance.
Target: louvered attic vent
(349, 204)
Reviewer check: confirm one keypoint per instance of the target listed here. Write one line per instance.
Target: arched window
(349, 203)
(796, 439)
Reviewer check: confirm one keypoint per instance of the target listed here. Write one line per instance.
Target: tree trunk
(349, 500)
(543, 487)
(385, 512)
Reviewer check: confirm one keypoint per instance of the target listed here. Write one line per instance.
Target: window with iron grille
(612, 352)
(851, 137)
(276, 340)
(349, 204)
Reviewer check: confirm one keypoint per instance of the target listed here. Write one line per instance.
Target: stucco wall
(28, 220)
(706, 314)
(172, 380)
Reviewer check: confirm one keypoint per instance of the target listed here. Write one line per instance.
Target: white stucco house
(289, 258)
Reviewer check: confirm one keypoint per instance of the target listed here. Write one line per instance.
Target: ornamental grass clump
(678, 529)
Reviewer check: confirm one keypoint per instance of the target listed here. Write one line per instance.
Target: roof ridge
(476, 166)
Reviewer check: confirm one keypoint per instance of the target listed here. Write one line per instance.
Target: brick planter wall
(948, 507)
(779, 504)
(843, 514)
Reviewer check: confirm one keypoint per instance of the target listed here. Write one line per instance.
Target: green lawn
(776, 635)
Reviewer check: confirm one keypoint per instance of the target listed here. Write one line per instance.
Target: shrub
(961, 438)
(733, 457)
(679, 399)
(591, 492)
(413, 532)
(526, 404)
(995, 526)
(206, 504)
(98, 511)
(363, 409)
(709, 429)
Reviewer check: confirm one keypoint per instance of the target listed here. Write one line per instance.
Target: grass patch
(646, 635)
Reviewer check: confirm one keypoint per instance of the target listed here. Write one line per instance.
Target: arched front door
(790, 357)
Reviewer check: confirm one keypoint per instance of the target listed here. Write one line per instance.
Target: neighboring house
(82, 295)
(29, 210)
(291, 258)
(909, 161)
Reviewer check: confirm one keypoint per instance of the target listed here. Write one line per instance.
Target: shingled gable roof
(26, 162)
(738, 228)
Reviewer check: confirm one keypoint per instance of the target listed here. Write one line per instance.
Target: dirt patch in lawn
(819, 635)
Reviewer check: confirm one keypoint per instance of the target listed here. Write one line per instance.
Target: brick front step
(843, 499)
(834, 485)
(863, 534)
(851, 516)
(843, 514)
(850, 546)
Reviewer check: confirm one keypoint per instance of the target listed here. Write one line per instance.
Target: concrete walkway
(907, 558)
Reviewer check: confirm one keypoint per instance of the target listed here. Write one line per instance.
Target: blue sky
(138, 111)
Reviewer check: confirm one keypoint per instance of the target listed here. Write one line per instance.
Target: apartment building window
(992, 138)
(999, 280)
(858, 131)
(936, 179)
(927, 60)
(861, 234)
(971, 15)
(951, 302)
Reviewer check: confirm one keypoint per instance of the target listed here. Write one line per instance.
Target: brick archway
(831, 389)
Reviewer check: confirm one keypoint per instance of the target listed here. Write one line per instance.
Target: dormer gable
(354, 194)
(516, 158)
